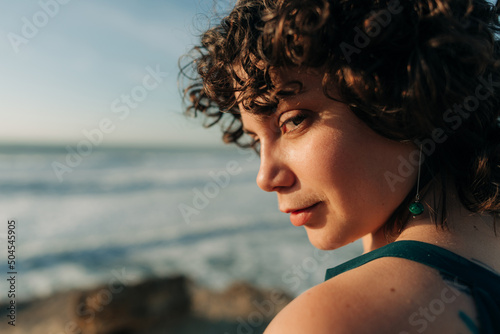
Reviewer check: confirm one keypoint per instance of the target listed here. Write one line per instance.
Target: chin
(323, 241)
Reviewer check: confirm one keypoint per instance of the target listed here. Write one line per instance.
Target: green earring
(417, 208)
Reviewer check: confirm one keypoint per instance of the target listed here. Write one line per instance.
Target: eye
(293, 123)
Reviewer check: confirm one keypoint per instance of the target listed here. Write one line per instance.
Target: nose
(274, 173)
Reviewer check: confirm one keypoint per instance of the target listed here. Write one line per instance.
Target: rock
(168, 305)
(239, 300)
(48, 315)
(154, 303)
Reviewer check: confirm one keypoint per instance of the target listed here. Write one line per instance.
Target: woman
(376, 120)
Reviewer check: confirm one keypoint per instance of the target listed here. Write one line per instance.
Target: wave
(118, 173)
(120, 209)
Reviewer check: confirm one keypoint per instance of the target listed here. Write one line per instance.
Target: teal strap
(484, 284)
(433, 256)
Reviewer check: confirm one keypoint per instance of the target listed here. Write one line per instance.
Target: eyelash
(301, 117)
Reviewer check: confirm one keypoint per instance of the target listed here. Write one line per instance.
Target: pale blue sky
(66, 64)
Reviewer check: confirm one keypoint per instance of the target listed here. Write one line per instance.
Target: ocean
(83, 220)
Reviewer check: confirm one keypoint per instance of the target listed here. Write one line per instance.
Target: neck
(375, 240)
(468, 234)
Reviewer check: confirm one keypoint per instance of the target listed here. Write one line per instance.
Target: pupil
(298, 120)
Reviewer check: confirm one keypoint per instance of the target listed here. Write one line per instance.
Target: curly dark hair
(425, 71)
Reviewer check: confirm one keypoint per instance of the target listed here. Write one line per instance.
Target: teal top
(483, 284)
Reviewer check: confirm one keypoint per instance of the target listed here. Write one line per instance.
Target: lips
(301, 216)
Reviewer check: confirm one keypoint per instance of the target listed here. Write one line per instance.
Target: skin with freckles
(317, 155)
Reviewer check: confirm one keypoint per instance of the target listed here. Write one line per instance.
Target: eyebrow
(287, 93)
(292, 88)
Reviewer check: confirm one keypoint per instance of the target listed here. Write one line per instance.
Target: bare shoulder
(387, 295)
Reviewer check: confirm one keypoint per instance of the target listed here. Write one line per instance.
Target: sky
(70, 69)
(105, 70)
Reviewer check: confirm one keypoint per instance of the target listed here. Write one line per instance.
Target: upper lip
(298, 209)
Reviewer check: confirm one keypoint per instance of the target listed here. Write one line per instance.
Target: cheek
(320, 158)
(352, 171)
(339, 159)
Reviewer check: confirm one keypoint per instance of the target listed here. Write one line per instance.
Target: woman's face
(329, 170)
